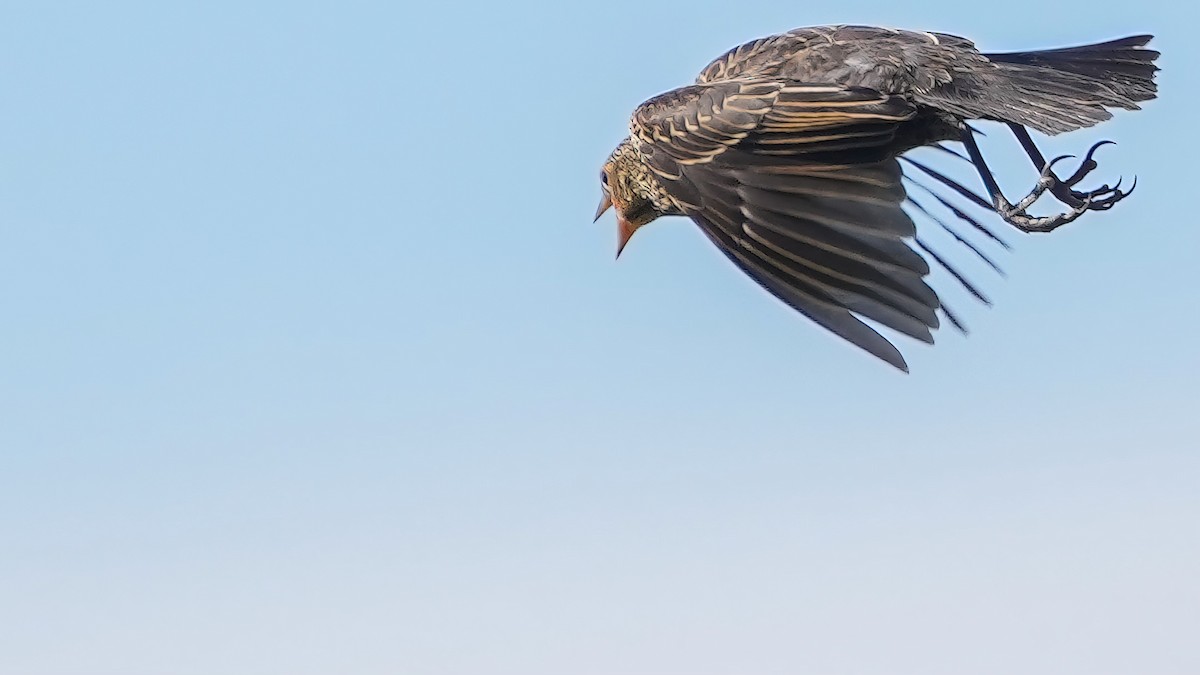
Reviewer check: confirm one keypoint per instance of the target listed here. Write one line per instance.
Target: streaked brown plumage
(786, 152)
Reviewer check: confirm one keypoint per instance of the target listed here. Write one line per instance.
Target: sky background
(312, 361)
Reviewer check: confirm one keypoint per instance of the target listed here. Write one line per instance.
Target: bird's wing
(795, 184)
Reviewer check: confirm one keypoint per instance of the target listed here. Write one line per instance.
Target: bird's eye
(604, 178)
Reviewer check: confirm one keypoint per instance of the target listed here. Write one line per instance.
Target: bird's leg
(1015, 214)
(1101, 199)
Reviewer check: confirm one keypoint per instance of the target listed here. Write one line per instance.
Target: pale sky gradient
(312, 362)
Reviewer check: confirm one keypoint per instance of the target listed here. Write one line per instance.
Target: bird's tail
(1065, 89)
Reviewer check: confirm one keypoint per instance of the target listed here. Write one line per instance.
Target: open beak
(624, 232)
(624, 229)
(605, 204)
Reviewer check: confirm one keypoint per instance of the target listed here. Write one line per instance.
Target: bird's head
(631, 189)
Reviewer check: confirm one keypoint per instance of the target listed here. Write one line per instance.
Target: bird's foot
(1100, 199)
(1046, 182)
(1017, 216)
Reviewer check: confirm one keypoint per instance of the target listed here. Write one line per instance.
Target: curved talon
(1106, 202)
(1061, 189)
(1101, 198)
(1089, 164)
(1056, 160)
(1101, 192)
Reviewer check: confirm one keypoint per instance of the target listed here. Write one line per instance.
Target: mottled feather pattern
(831, 226)
(786, 152)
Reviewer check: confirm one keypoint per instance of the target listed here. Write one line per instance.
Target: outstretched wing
(797, 185)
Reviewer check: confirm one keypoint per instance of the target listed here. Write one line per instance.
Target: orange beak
(624, 229)
(624, 232)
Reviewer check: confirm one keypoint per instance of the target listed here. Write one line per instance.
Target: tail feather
(1071, 88)
(1124, 59)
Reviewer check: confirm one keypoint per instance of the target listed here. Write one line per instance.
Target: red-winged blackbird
(786, 153)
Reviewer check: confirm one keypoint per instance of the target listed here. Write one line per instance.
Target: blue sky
(313, 362)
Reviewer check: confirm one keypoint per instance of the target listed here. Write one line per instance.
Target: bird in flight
(787, 152)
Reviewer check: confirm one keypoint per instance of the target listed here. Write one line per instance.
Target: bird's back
(886, 60)
(1052, 90)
